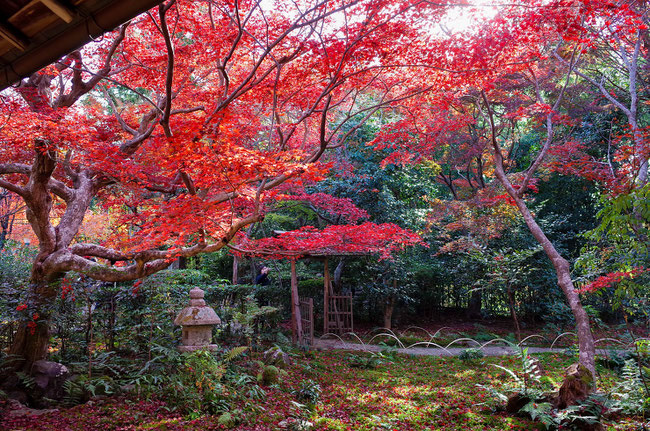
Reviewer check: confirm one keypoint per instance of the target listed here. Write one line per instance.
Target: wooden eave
(36, 33)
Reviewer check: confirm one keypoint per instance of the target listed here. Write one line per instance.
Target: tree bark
(31, 342)
(513, 311)
(389, 306)
(235, 270)
(475, 305)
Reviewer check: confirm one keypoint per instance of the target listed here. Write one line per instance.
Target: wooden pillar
(235, 270)
(296, 321)
(326, 297)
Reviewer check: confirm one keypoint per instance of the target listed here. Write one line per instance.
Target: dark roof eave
(73, 37)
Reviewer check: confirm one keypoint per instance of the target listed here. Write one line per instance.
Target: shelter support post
(326, 297)
(235, 270)
(296, 319)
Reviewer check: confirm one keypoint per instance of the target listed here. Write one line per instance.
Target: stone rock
(19, 396)
(577, 384)
(49, 378)
(275, 356)
(16, 409)
(49, 369)
(516, 402)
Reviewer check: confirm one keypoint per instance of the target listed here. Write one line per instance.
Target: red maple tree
(184, 120)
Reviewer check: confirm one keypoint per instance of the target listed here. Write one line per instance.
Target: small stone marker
(197, 321)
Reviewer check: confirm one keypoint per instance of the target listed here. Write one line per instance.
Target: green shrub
(470, 355)
(270, 375)
(308, 392)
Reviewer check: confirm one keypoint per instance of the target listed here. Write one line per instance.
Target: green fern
(540, 412)
(74, 392)
(630, 396)
(26, 380)
(234, 353)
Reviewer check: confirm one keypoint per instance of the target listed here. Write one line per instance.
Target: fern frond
(234, 353)
(27, 380)
(509, 371)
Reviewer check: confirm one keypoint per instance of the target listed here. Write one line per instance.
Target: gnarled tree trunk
(33, 336)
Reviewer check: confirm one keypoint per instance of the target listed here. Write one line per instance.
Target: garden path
(337, 344)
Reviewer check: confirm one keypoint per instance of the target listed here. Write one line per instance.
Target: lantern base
(211, 347)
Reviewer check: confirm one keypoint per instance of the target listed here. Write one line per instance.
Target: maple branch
(164, 120)
(60, 189)
(371, 110)
(189, 184)
(147, 126)
(164, 189)
(549, 129)
(146, 262)
(238, 38)
(67, 167)
(249, 81)
(55, 186)
(79, 87)
(323, 125)
(37, 196)
(498, 155)
(258, 195)
(12, 187)
(274, 109)
(598, 85)
(449, 183)
(15, 168)
(119, 118)
(77, 204)
(187, 110)
(609, 149)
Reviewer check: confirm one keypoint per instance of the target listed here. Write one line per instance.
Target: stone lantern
(197, 321)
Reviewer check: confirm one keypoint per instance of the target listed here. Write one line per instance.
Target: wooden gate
(338, 315)
(307, 320)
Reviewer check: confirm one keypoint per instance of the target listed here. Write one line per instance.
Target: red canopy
(335, 240)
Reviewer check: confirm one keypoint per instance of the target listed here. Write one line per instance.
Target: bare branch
(164, 120)
(530, 172)
(79, 88)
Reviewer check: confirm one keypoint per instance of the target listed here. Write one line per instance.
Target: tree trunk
(389, 306)
(338, 272)
(111, 324)
(4, 230)
(296, 319)
(586, 346)
(475, 305)
(513, 312)
(235, 270)
(33, 339)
